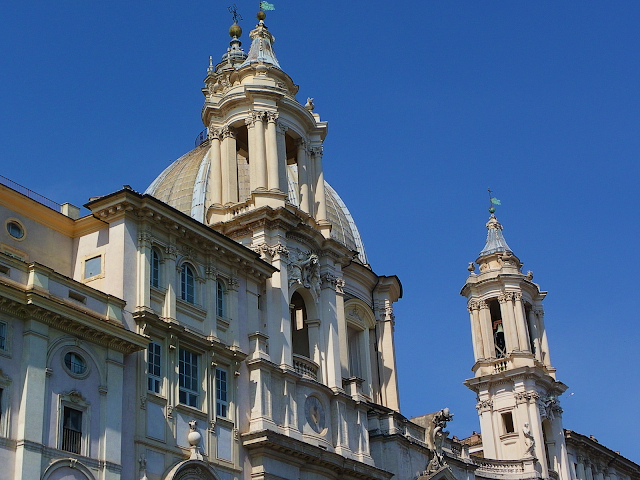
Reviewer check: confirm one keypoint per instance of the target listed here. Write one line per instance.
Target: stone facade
(226, 324)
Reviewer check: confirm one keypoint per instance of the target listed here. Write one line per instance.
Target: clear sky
(429, 104)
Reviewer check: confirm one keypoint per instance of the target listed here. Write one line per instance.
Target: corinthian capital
(272, 117)
(517, 296)
(228, 132)
(316, 150)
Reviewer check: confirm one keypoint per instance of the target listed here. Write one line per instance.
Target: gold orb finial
(261, 15)
(235, 31)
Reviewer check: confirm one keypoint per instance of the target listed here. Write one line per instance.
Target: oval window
(15, 230)
(75, 363)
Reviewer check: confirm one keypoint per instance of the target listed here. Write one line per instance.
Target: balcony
(305, 367)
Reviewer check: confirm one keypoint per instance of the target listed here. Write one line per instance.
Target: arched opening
(299, 327)
(498, 329)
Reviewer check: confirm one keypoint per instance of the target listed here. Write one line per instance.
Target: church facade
(226, 324)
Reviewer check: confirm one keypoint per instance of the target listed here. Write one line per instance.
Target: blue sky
(429, 104)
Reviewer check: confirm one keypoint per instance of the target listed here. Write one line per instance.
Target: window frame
(191, 396)
(154, 262)
(222, 404)
(221, 304)
(5, 404)
(4, 328)
(153, 379)
(89, 257)
(184, 285)
(11, 220)
(74, 400)
(79, 353)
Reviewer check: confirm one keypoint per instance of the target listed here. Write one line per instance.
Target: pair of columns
(265, 158)
(311, 179)
(516, 328)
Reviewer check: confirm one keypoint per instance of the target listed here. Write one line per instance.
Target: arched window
(155, 268)
(299, 328)
(187, 284)
(220, 305)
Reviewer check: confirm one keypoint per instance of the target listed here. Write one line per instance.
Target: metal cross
(234, 11)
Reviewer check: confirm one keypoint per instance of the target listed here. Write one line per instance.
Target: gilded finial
(235, 31)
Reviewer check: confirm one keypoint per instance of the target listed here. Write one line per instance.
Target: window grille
(188, 378)
(72, 430)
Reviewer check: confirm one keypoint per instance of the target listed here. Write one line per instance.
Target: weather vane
(492, 201)
(234, 11)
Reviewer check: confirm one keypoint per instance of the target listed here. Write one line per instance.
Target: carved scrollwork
(303, 268)
(484, 405)
(228, 132)
(316, 150)
(272, 117)
(482, 305)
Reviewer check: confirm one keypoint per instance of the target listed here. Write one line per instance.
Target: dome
(183, 185)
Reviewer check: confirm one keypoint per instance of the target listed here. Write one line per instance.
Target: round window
(15, 230)
(75, 363)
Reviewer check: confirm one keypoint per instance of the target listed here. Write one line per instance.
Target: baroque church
(226, 324)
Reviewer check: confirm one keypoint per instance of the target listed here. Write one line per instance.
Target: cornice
(274, 444)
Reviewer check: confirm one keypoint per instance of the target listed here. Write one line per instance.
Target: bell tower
(515, 383)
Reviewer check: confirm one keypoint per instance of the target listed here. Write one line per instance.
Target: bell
(499, 329)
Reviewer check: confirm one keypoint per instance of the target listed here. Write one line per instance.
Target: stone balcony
(305, 367)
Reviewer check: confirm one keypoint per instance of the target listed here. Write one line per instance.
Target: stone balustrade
(305, 367)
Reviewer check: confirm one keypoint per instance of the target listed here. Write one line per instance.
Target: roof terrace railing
(30, 194)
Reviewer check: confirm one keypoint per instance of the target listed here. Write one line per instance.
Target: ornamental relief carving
(303, 268)
(484, 405)
(265, 249)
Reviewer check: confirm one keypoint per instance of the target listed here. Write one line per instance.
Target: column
(281, 130)
(484, 407)
(508, 323)
(257, 156)
(303, 181)
(544, 345)
(229, 164)
(169, 308)
(290, 407)
(314, 347)
(476, 334)
(214, 183)
(209, 304)
(232, 308)
(272, 152)
(580, 473)
(523, 336)
(30, 428)
(342, 434)
(486, 330)
(144, 270)
(330, 330)
(538, 435)
(115, 386)
(386, 350)
(588, 472)
(320, 196)
(535, 336)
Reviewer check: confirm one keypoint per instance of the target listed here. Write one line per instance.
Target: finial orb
(235, 30)
(492, 210)
(261, 15)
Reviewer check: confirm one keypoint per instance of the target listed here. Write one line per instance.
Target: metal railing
(71, 440)
(30, 194)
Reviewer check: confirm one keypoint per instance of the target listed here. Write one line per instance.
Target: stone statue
(529, 441)
(438, 434)
(304, 269)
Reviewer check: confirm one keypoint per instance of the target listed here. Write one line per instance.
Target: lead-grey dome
(183, 185)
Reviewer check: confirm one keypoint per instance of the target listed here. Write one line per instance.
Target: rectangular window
(92, 267)
(222, 401)
(155, 269)
(507, 420)
(188, 378)
(154, 380)
(3, 336)
(220, 299)
(71, 430)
